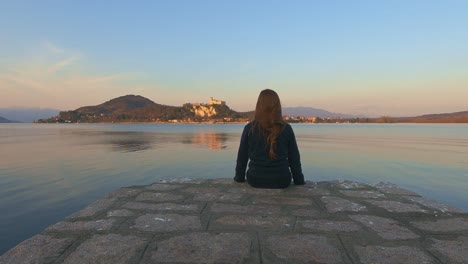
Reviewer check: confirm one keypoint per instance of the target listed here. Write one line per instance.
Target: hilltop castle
(213, 101)
(206, 110)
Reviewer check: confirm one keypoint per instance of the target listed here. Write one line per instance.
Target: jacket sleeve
(295, 160)
(242, 156)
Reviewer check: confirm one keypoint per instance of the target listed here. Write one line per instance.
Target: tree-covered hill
(135, 108)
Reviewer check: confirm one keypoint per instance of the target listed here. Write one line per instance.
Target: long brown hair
(269, 119)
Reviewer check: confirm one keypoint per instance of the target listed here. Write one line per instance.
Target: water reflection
(119, 141)
(140, 141)
(49, 171)
(214, 141)
(130, 142)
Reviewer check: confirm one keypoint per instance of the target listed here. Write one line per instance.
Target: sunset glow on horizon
(397, 58)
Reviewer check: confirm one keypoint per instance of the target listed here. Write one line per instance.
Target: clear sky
(375, 58)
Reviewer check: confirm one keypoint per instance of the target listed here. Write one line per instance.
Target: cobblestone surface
(385, 227)
(301, 249)
(327, 225)
(111, 248)
(394, 206)
(455, 251)
(220, 221)
(443, 225)
(204, 248)
(393, 255)
(335, 204)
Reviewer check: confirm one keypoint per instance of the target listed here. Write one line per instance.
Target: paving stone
(37, 249)
(196, 190)
(97, 225)
(456, 251)
(301, 249)
(204, 248)
(249, 225)
(124, 193)
(224, 181)
(167, 222)
(94, 208)
(306, 191)
(335, 204)
(158, 197)
(246, 209)
(443, 225)
(264, 221)
(111, 248)
(391, 188)
(218, 197)
(328, 225)
(345, 184)
(392, 255)
(183, 180)
(386, 228)
(394, 206)
(306, 212)
(163, 187)
(162, 207)
(282, 200)
(362, 194)
(257, 191)
(433, 204)
(120, 213)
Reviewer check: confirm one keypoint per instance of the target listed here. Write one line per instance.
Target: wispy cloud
(63, 63)
(36, 81)
(112, 77)
(51, 47)
(28, 84)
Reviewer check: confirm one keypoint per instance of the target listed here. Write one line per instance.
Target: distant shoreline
(161, 123)
(237, 123)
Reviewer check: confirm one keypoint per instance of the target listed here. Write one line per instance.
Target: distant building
(205, 110)
(215, 102)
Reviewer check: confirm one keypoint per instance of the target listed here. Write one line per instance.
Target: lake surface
(49, 171)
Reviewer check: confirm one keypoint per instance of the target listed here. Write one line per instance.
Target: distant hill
(118, 105)
(457, 117)
(27, 115)
(310, 111)
(4, 120)
(136, 108)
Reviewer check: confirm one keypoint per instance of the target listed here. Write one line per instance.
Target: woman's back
(258, 148)
(263, 171)
(270, 145)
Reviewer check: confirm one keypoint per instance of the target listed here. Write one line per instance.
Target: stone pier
(220, 221)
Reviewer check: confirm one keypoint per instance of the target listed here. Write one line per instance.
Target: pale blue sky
(359, 57)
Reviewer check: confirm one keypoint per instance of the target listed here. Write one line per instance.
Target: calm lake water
(52, 170)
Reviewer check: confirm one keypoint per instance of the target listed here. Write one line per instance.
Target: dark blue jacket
(264, 172)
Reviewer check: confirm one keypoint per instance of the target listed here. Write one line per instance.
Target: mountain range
(4, 120)
(27, 115)
(457, 117)
(135, 108)
(310, 111)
